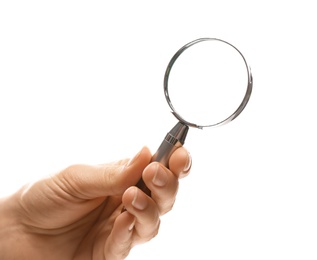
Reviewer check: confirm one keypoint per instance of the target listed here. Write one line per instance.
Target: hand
(77, 213)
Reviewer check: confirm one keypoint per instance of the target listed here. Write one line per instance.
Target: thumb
(89, 182)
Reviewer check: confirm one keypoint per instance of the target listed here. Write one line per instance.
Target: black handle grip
(173, 140)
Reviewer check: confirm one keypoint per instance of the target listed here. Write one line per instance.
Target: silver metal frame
(235, 113)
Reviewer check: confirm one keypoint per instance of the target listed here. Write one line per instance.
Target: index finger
(180, 162)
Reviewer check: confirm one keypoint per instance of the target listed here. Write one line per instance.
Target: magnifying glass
(207, 83)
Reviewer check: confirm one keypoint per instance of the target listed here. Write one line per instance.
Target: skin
(77, 213)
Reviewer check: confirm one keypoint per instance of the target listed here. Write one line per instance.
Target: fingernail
(188, 163)
(160, 177)
(139, 201)
(132, 225)
(132, 160)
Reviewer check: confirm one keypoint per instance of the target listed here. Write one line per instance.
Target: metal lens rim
(235, 113)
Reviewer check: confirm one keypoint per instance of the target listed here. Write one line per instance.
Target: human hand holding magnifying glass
(211, 84)
(76, 213)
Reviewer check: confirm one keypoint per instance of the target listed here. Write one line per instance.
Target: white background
(81, 82)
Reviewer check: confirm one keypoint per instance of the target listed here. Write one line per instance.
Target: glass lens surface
(207, 82)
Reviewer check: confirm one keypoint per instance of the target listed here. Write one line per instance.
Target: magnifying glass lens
(207, 82)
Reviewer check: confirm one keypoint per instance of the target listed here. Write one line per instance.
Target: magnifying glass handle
(173, 140)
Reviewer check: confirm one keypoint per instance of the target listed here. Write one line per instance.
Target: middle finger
(163, 185)
(145, 211)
